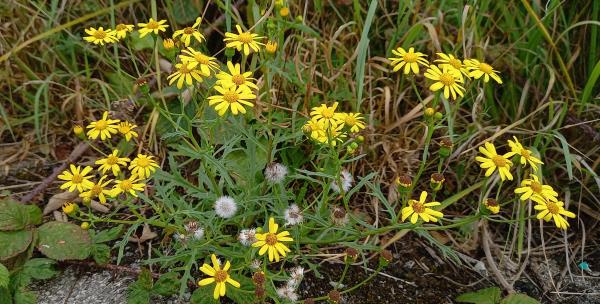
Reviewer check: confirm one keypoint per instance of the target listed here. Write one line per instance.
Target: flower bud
(85, 225)
(436, 182)
(299, 18)
(78, 130)
(385, 257)
(142, 84)
(404, 182)
(271, 47)
(284, 11)
(69, 208)
(168, 44)
(429, 112)
(491, 205)
(360, 138)
(335, 296)
(351, 254)
(258, 278)
(445, 147)
(438, 115)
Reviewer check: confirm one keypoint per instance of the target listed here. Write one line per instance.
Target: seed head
(225, 207)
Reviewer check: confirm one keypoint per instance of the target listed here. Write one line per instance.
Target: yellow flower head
(129, 185)
(152, 26)
(409, 60)
(532, 188)
(243, 41)
(206, 64)
(491, 205)
(98, 190)
(272, 242)
(478, 69)
(112, 162)
(78, 130)
(525, 154)
(143, 166)
(231, 98)
(332, 134)
(326, 114)
(271, 47)
(284, 11)
(185, 72)
(76, 179)
(235, 77)
(554, 211)
(126, 128)
(100, 36)
(493, 161)
(219, 276)
(420, 208)
(447, 78)
(168, 43)
(450, 60)
(189, 32)
(103, 127)
(354, 121)
(69, 208)
(314, 128)
(121, 30)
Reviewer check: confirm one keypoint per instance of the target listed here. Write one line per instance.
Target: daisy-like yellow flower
(447, 78)
(168, 43)
(235, 77)
(493, 161)
(98, 190)
(420, 208)
(206, 64)
(526, 156)
(103, 127)
(121, 30)
(100, 36)
(143, 166)
(219, 276)
(231, 98)
(245, 42)
(69, 208)
(152, 26)
(332, 134)
(185, 72)
(189, 32)
(409, 60)
(314, 128)
(478, 69)
(126, 128)
(129, 185)
(554, 211)
(491, 205)
(450, 60)
(76, 178)
(272, 242)
(354, 121)
(326, 114)
(112, 162)
(532, 188)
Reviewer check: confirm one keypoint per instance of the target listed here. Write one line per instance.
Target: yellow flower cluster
(105, 127)
(328, 126)
(491, 161)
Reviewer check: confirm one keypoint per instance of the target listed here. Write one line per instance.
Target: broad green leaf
(40, 268)
(141, 43)
(25, 297)
(14, 242)
(4, 276)
(64, 241)
(101, 253)
(167, 284)
(15, 216)
(5, 296)
(519, 298)
(186, 11)
(483, 296)
(139, 292)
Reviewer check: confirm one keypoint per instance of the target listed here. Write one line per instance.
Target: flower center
(525, 153)
(536, 187)
(97, 189)
(491, 202)
(99, 34)
(121, 27)
(350, 120)
(76, 179)
(486, 68)
(410, 57)
(184, 69)
(553, 208)
(499, 161)
(188, 30)
(230, 97)
(447, 79)
(220, 276)
(101, 124)
(327, 113)
(245, 38)
(112, 160)
(418, 207)
(238, 79)
(152, 25)
(126, 185)
(455, 63)
(201, 58)
(143, 162)
(124, 129)
(271, 239)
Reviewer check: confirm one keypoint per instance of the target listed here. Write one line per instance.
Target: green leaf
(519, 298)
(483, 296)
(203, 295)
(14, 242)
(186, 11)
(25, 297)
(240, 295)
(141, 43)
(140, 290)
(167, 284)
(4, 276)
(64, 241)
(40, 268)
(5, 296)
(101, 253)
(15, 216)
(108, 235)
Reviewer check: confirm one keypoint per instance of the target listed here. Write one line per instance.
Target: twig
(485, 238)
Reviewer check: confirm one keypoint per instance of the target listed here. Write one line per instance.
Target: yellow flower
(493, 161)
(532, 188)
(112, 162)
(189, 32)
(129, 185)
(331, 134)
(246, 41)
(450, 60)
(235, 77)
(271, 47)
(416, 209)
(78, 130)
(234, 98)
(315, 128)
(168, 43)
(186, 72)
(353, 120)
(121, 30)
(326, 114)
(100, 36)
(492, 205)
(98, 190)
(409, 60)
(152, 26)
(554, 210)
(478, 69)
(143, 166)
(447, 78)
(284, 11)
(526, 155)
(103, 127)
(69, 208)
(126, 128)
(76, 179)
(206, 64)
(272, 242)
(218, 276)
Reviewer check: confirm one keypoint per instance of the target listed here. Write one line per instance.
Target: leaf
(167, 284)
(15, 216)
(40, 268)
(141, 43)
(101, 253)
(519, 298)
(4, 276)
(5, 296)
(483, 296)
(64, 241)
(25, 297)
(99, 207)
(57, 200)
(108, 235)
(147, 234)
(139, 291)
(237, 294)
(185, 11)
(14, 242)
(203, 295)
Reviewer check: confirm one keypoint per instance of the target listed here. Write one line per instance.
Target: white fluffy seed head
(255, 264)
(275, 172)
(247, 236)
(225, 207)
(198, 234)
(287, 293)
(296, 276)
(293, 215)
(346, 180)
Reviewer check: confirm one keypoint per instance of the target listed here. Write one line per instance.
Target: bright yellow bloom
(98, 190)
(246, 41)
(129, 185)
(315, 128)
(326, 114)
(231, 98)
(112, 162)
(272, 242)
(235, 77)
(447, 78)
(331, 134)
(284, 11)
(152, 26)
(121, 30)
(353, 120)
(189, 32)
(102, 127)
(186, 72)
(409, 60)
(126, 128)
(76, 179)
(478, 69)
(493, 161)
(218, 276)
(526, 155)
(450, 60)
(271, 47)
(532, 188)
(554, 210)
(206, 64)
(100, 36)
(420, 208)
(69, 208)
(168, 43)
(492, 205)
(143, 166)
